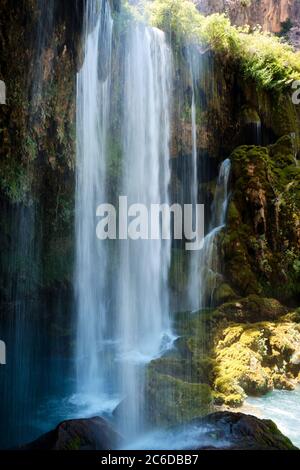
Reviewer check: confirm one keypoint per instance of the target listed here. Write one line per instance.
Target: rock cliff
(270, 14)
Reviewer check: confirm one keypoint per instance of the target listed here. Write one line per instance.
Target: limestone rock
(252, 359)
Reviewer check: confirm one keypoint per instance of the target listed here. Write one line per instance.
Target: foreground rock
(244, 432)
(78, 434)
(234, 431)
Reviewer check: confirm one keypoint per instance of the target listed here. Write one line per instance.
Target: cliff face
(37, 151)
(39, 43)
(260, 247)
(267, 13)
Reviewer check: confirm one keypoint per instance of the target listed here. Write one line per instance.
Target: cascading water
(140, 327)
(93, 99)
(143, 302)
(208, 263)
(204, 265)
(194, 63)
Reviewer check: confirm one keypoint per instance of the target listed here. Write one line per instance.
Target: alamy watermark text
(157, 222)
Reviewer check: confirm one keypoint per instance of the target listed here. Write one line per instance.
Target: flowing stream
(282, 406)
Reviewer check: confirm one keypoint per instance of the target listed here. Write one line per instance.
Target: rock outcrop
(236, 430)
(265, 182)
(78, 434)
(270, 14)
(245, 432)
(243, 348)
(253, 359)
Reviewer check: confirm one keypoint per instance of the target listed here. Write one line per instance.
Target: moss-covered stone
(261, 241)
(252, 309)
(172, 400)
(252, 359)
(224, 293)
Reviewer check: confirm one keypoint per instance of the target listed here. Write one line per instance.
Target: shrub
(263, 57)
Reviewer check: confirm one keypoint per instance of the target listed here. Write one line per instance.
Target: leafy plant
(263, 57)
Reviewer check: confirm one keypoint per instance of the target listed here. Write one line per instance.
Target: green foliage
(245, 3)
(262, 57)
(285, 27)
(15, 181)
(30, 148)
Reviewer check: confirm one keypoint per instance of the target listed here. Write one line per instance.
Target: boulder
(78, 434)
(171, 400)
(254, 358)
(252, 309)
(244, 432)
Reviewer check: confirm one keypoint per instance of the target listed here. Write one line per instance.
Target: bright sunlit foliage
(262, 57)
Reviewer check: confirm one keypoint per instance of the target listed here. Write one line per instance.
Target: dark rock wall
(260, 247)
(40, 53)
(40, 43)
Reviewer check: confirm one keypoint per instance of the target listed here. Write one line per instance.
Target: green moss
(189, 400)
(251, 309)
(178, 274)
(224, 293)
(249, 115)
(15, 181)
(261, 233)
(74, 443)
(254, 359)
(30, 148)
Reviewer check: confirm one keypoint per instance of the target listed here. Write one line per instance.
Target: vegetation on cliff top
(263, 57)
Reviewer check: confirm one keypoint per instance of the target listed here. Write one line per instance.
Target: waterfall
(194, 151)
(195, 66)
(204, 266)
(93, 101)
(258, 133)
(207, 261)
(143, 302)
(220, 203)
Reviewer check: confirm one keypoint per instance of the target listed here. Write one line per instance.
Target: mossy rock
(260, 244)
(224, 293)
(249, 116)
(244, 432)
(252, 309)
(172, 400)
(252, 359)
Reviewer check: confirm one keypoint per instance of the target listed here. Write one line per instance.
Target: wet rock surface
(78, 434)
(237, 431)
(245, 432)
